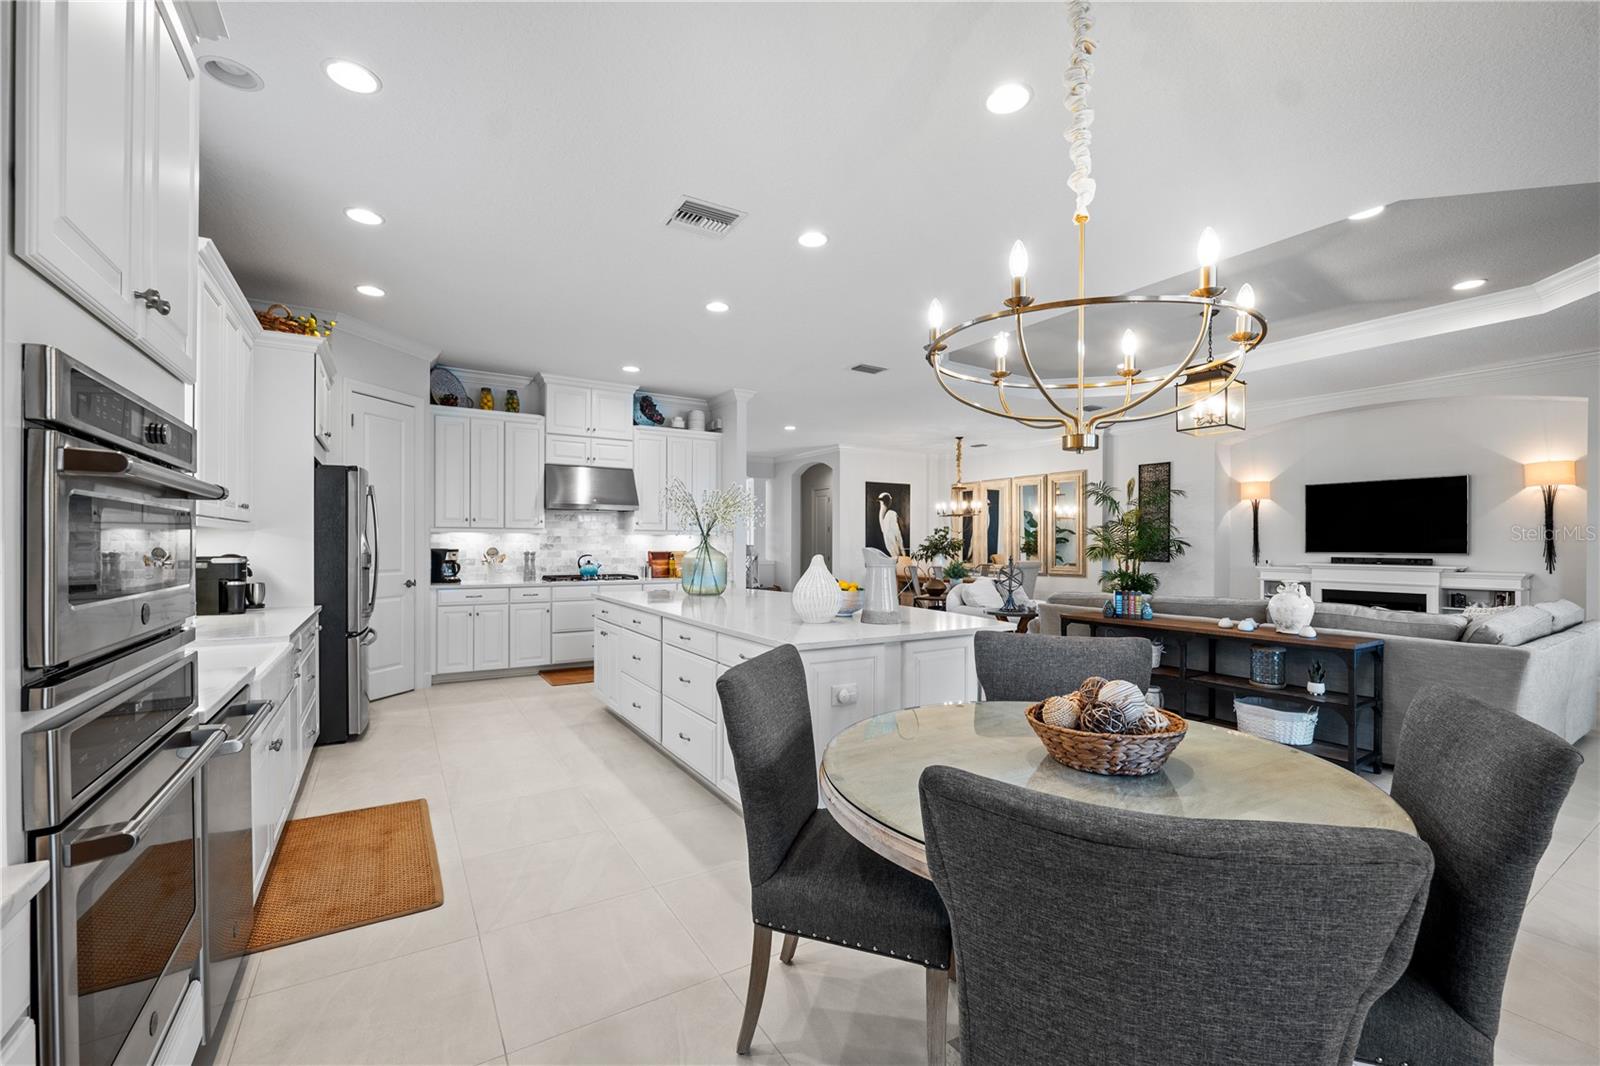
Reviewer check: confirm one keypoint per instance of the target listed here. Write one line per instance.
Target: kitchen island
(658, 654)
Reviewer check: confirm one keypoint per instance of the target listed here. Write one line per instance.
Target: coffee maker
(446, 566)
(221, 584)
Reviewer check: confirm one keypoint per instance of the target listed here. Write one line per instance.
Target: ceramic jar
(1290, 608)
(816, 595)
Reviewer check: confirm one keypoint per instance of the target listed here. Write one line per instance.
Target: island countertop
(769, 618)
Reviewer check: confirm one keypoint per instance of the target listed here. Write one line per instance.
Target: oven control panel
(61, 391)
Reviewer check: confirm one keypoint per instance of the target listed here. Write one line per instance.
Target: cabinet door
(568, 450)
(452, 639)
(524, 475)
(706, 464)
(452, 472)
(618, 453)
(530, 634)
(487, 503)
(78, 112)
(727, 778)
(566, 410)
(650, 476)
(605, 663)
(241, 453)
(491, 638)
(171, 212)
(322, 428)
(611, 413)
(210, 389)
(680, 467)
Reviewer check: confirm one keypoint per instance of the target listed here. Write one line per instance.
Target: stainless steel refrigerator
(346, 568)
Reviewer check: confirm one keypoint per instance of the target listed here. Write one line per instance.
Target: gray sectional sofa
(1541, 661)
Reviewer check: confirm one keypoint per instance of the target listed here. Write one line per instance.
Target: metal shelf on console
(1229, 683)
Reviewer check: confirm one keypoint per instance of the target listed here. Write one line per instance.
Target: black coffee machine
(220, 584)
(446, 566)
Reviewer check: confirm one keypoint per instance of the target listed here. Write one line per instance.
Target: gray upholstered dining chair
(1483, 787)
(808, 877)
(1095, 935)
(1029, 666)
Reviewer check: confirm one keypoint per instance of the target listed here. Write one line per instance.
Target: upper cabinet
(225, 351)
(662, 456)
(488, 470)
(587, 409)
(107, 165)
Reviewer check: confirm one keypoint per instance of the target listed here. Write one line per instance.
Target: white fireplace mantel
(1438, 584)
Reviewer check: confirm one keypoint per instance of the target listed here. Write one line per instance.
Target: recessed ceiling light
(812, 238)
(716, 307)
(630, 370)
(363, 215)
(1362, 216)
(1009, 98)
(1470, 283)
(348, 74)
(369, 290)
(788, 429)
(232, 73)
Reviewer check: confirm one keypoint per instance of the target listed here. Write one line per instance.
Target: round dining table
(870, 771)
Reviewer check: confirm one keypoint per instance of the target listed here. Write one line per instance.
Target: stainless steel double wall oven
(114, 757)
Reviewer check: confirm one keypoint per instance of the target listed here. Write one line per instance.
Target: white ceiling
(526, 157)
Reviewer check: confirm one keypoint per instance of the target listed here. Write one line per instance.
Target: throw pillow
(983, 594)
(1511, 628)
(1564, 613)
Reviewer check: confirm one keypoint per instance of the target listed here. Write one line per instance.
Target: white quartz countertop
(19, 884)
(267, 624)
(769, 618)
(225, 666)
(509, 581)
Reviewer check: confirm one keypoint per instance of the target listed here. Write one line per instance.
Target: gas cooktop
(580, 577)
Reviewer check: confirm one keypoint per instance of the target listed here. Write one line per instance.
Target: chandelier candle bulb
(1247, 299)
(935, 321)
(1130, 349)
(1206, 251)
(1000, 355)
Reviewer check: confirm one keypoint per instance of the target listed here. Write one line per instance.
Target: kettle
(590, 569)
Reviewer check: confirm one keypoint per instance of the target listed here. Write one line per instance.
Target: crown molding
(216, 269)
(491, 378)
(367, 331)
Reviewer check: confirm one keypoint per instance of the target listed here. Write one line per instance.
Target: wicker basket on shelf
(279, 319)
(1118, 754)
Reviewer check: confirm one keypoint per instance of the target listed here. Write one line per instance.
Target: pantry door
(384, 438)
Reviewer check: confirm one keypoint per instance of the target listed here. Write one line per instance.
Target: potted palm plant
(1132, 531)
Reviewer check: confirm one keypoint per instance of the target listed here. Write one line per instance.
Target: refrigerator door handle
(368, 636)
(372, 579)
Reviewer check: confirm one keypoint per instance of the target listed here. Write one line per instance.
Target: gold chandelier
(965, 500)
(1209, 394)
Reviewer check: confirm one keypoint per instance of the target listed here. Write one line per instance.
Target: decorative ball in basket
(1106, 727)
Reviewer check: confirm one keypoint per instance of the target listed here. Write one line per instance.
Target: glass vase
(705, 571)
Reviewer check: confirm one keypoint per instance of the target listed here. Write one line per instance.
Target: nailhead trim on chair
(845, 943)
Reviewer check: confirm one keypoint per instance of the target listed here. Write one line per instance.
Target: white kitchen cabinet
(491, 636)
(606, 646)
(589, 451)
(649, 466)
(662, 456)
(272, 772)
(322, 420)
(488, 443)
(452, 639)
(571, 451)
(107, 170)
(727, 774)
(223, 411)
(452, 471)
(579, 408)
(524, 472)
(530, 634)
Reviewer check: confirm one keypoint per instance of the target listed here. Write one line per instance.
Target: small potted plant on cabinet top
(1317, 679)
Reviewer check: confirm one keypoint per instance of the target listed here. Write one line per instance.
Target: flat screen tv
(1409, 516)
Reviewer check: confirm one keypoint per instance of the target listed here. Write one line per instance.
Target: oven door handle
(99, 462)
(127, 836)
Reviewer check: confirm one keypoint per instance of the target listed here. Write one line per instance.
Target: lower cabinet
(530, 634)
(491, 637)
(480, 629)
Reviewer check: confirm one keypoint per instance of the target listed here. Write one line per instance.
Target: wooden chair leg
(786, 953)
(760, 960)
(938, 988)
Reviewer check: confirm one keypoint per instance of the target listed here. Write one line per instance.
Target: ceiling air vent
(868, 368)
(703, 217)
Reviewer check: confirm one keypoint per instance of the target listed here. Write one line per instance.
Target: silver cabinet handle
(410, 584)
(685, 737)
(637, 707)
(684, 636)
(685, 680)
(244, 507)
(127, 836)
(153, 301)
(473, 597)
(637, 659)
(276, 745)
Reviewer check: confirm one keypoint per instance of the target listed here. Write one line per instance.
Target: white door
(172, 214)
(78, 110)
(383, 436)
(488, 441)
(566, 409)
(530, 634)
(524, 475)
(452, 639)
(821, 526)
(491, 637)
(649, 475)
(452, 472)
(611, 413)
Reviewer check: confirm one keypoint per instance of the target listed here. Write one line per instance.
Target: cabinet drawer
(310, 723)
(305, 640)
(572, 647)
(731, 651)
(689, 737)
(639, 705)
(675, 634)
(530, 594)
(690, 680)
(572, 617)
(475, 595)
(641, 659)
(639, 621)
(571, 591)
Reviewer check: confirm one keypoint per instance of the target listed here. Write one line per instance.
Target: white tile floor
(597, 910)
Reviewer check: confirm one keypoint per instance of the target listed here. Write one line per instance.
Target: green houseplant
(944, 544)
(1131, 532)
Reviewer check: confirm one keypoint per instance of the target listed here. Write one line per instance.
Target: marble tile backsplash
(607, 536)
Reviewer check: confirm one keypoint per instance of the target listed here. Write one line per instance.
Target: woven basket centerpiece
(1106, 727)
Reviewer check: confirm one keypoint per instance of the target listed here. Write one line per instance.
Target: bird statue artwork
(889, 522)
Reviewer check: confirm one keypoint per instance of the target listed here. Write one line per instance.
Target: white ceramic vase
(816, 595)
(1290, 608)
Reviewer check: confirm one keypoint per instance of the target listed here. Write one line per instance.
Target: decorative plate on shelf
(442, 383)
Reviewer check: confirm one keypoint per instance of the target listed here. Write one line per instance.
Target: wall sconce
(1546, 477)
(1255, 492)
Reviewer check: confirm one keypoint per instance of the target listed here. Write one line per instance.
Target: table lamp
(1255, 492)
(1547, 476)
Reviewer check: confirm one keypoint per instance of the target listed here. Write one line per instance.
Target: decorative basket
(279, 319)
(1117, 754)
(1273, 720)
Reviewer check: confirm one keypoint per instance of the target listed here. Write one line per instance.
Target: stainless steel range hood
(589, 488)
